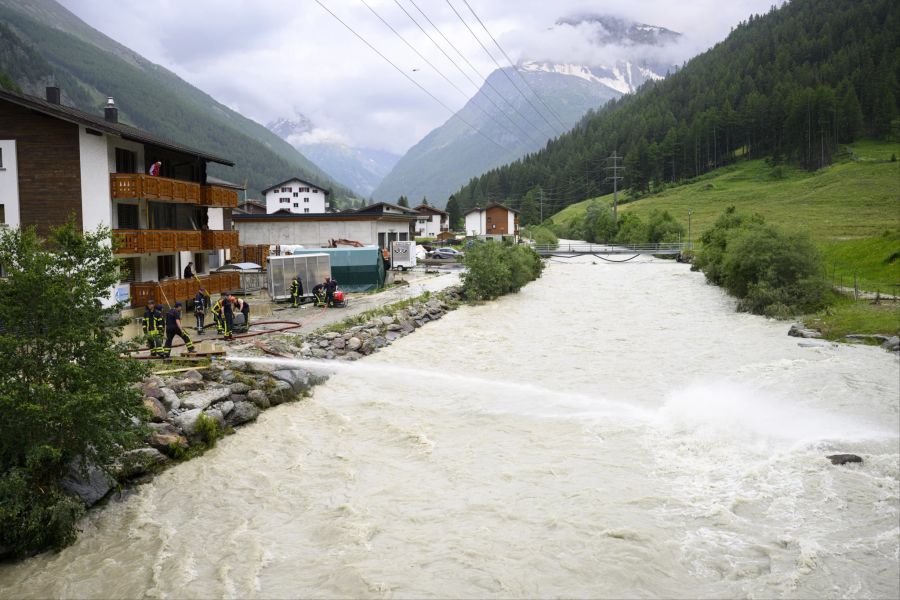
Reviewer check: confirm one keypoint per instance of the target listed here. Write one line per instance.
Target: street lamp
(690, 242)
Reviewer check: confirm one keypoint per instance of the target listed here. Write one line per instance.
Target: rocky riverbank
(189, 411)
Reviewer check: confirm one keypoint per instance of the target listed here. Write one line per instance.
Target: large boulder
(89, 484)
(164, 436)
(151, 390)
(379, 342)
(390, 336)
(155, 408)
(843, 459)
(242, 413)
(331, 335)
(259, 398)
(892, 344)
(226, 407)
(186, 385)
(193, 375)
(387, 320)
(282, 392)
(339, 343)
(187, 421)
(353, 344)
(799, 330)
(170, 399)
(239, 388)
(216, 415)
(139, 461)
(205, 398)
(298, 379)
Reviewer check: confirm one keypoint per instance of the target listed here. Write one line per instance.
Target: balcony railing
(143, 241)
(168, 292)
(148, 187)
(219, 240)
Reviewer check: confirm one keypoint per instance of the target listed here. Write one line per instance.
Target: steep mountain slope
(90, 66)
(360, 168)
(792, 84)
(451, 154)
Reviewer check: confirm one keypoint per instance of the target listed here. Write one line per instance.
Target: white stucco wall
(314, 200)
(96, 203)
(315, 234)
(511, 222)
(9, 182)
(475, 223)
(216, 219)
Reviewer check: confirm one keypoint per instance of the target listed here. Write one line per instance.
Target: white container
(312, 268)
(403, 255)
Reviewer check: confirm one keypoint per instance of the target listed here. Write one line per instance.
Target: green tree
(495, 268)
(599, 223)
(530, 211)
(631, 230)
(402, 201)
(454, 212)
(66, 396)
(424, 201)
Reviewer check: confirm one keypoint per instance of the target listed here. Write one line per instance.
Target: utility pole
(542, 205)
(690, 243)
(615, 177)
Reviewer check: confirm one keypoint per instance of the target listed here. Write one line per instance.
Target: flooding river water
(613, 430)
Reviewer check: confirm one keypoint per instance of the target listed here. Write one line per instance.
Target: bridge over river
(566, 249)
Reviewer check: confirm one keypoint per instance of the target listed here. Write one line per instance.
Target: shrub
(631, 229)
(663, 228)
(66, 397)
(495, 269)
(773, 273)
(543, 236)
(208, 430)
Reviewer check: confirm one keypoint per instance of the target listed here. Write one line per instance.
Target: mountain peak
(617, 30)
(285, 128)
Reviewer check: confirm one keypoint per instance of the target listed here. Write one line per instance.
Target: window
(1, 158)
(199, 262)
(128, 216)
(315, 191)
(303, 189)
(306, 199)
(165, 266)
(296, 205)
(162, 216)
(285, 200)
(2, 214)
(306, 210)
(381, 240)
(403, 236)
(126, 161)
(131, 270)
(296, 194)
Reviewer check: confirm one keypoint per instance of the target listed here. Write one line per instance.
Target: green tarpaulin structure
(356, 269)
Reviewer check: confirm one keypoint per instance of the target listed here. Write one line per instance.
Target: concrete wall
(315, 234)
(96, 203)
(9, 182)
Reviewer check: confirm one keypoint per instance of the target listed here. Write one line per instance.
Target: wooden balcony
(148, 187)
(168, 292)
(144, 241)
(220, 240)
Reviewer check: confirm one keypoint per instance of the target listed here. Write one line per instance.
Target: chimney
(111, 113)
(52, 94)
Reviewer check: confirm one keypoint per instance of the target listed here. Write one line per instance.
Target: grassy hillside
(846, 207)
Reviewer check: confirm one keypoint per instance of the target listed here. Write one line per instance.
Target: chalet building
(374, 225)
(295, 196)
(57, 162)
(495, 220)
(250, 207)
(432, 221)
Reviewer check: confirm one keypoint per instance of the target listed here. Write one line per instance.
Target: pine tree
(402, 201)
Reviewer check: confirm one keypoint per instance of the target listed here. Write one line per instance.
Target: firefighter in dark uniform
(173, 328)
(319, 294)
(201, 305)
(227, 316)
(330, 287)
(217, 315)
(296, 290)
(154, 325)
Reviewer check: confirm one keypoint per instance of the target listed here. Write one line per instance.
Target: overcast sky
(274, 58)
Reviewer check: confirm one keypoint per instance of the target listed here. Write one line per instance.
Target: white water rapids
(610, 431)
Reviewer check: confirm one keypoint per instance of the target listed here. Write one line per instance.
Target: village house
(431, 221)
(250, 207)
(374, 225)
(296, 197)
(57, 162)
(494, 221)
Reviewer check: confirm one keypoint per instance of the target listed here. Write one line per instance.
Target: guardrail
(676, 248)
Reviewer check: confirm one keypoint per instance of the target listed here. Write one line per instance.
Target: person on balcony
(296, 290)
(173, 328)
(153, 325)
(189, 271)
(155, 168)
(201, 305)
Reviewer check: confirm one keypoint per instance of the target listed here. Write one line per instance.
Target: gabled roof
(428, 208)
(223, 183)
(99, 123)
(491, 205)
(278, 185)
(379, 207)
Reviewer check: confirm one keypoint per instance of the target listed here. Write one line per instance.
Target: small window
(165, 266)
(126, 161)
(296, 205)
(315, 191)
(306, 210)
(306, 199)
(2, 214)
(131, 270)
(1, 158)
(285, 200)
(296, 194)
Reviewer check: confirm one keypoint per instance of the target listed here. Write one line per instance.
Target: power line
(413, 81)
(439, 72)
(466, 75)
(509, 60)
(491, 56)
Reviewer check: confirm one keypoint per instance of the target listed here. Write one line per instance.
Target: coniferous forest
(790, 85)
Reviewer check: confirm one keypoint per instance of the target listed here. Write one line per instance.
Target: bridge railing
(585, 248)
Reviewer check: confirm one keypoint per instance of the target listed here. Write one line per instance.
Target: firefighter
(201, 305)
(217, 315)
(296, 290)
(330, 287)
(173, 328)
(319, 294)
(154, 328)
(228, 316)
